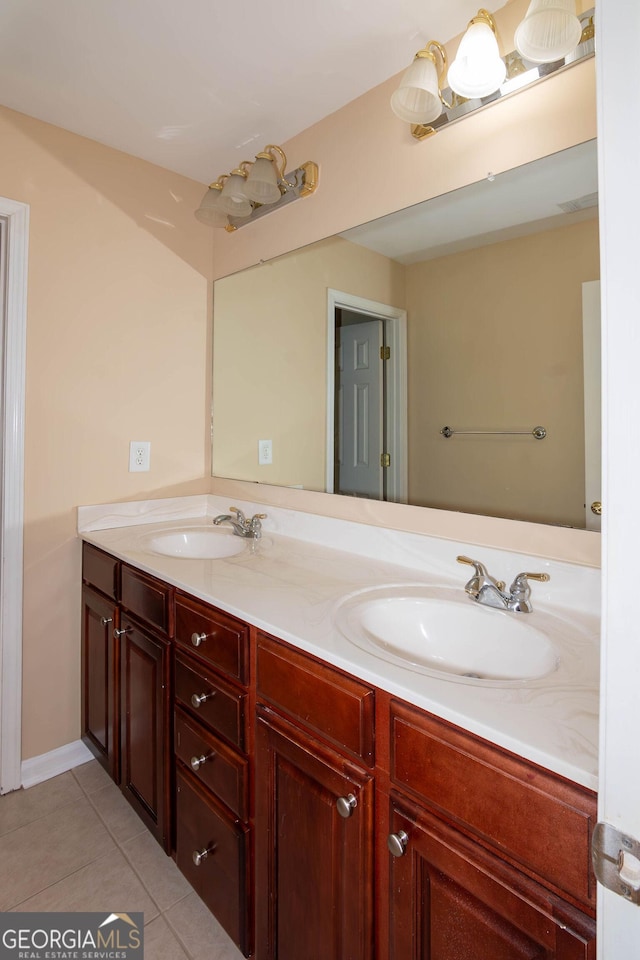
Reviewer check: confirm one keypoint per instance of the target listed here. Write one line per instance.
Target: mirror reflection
(475, 311)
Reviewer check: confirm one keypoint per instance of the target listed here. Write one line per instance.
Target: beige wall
(369, 166)
(116, 351)
(270, 362)
(495, 342)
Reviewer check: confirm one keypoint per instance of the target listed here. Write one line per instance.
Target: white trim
(12, 504)
(396, 332)
(51, 764)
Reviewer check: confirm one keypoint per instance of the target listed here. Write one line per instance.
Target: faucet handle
(259, 516)
(238, 512)
(521, 585)
(481, 576)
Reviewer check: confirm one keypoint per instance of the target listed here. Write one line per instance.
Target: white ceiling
(198, 85)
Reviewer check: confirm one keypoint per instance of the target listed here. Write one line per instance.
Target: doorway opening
(366, 398)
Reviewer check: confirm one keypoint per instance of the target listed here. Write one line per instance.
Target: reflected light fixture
(418, 99)
(549, 31)
(478, 70)
(254, 188)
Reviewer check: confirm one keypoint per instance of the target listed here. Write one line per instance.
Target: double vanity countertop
(293, 581)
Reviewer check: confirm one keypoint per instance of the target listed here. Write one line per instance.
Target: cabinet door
(450, 898)
(100, 706)
(144, 733)
(314, 866)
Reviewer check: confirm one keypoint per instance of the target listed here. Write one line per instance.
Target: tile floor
(74, 843)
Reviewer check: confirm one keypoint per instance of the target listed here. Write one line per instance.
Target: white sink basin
(202, 544)
(442, 633)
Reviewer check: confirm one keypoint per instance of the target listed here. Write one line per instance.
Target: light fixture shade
(262, 182)
(417, 99)
(549, 32)
(209, 211)
(233, 199)
(478, 69)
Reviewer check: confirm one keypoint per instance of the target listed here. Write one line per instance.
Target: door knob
(596, 507)
(105, 621)
(121, 632)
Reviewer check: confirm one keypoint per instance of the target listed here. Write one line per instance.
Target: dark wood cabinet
(145, 739)
(314, 848)
(213, 732)
(350, 824)
(100, 680)
(449, 898)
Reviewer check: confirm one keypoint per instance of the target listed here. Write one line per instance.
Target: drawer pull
(121, 632)
(199, 856)
(346, 805)
(196, 762)
(197, 699)
(105, 621)
(198, 638)
(397, 843)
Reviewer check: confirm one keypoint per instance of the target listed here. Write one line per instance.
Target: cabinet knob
(346, 805)
(196, 762)
(121, 632)
(197, 699)
(105, 621)
(199, 856)
(397, 843)
(596, 507)
(198, 638)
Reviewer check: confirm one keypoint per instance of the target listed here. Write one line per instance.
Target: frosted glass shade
(549, 32)
(209, 211)
(417, 99)
(478, 69)
(262, 182)
(233, 199)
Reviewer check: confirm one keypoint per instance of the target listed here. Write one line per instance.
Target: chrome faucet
(484, 589)
(242, 527)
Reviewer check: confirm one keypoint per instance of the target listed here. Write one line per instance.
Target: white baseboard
(51, 764)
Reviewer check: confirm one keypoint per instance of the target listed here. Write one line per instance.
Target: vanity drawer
(223, 707)
(147, 598)
(221, 877)
(217, 767)
(537, 819)
(333, 704)
(218, 638)
(100, 570)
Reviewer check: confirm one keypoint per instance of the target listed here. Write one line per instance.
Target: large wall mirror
(477, 311)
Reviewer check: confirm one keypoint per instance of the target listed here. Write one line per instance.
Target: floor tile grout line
(83, 866)
(161, 910)
(29, 823)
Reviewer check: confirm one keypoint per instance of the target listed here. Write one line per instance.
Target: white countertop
(290, 587)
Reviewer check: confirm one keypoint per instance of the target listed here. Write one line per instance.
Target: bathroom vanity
(322, 803)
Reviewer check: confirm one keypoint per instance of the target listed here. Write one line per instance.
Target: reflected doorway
(366, 399)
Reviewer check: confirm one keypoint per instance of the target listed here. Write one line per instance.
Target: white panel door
(360, 410)
(618, 151)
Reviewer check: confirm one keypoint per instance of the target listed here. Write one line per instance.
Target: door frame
(16, 234)
(395, 321)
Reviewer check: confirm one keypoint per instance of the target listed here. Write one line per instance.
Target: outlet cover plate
(139, 456)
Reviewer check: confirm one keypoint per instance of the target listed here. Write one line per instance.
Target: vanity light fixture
(254, 188)
(550, 38)
(418, 99)
(478, 69)
(549, 32)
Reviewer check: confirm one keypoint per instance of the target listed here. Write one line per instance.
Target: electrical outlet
(265, 452)
(139, 456)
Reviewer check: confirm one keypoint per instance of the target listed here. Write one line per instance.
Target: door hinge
(616, 861)
(385, 353)
(385, 459)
